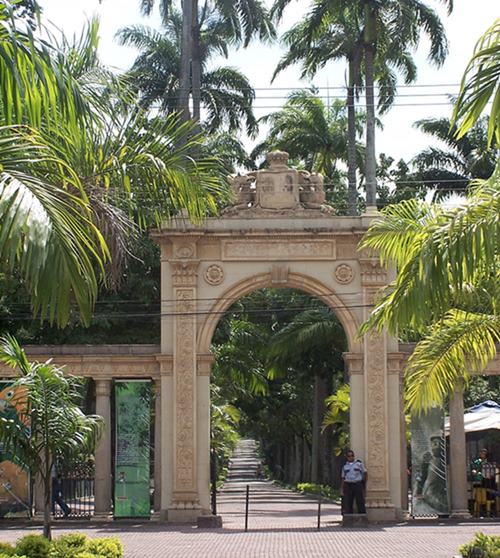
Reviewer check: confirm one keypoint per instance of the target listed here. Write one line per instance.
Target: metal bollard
(246, 507)
(319, 511)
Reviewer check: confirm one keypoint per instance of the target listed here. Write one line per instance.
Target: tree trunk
(297, 460)
(316, 425)
(371, 162)
(47, 487)
(352, 197)
(196, 65)
(186, 58)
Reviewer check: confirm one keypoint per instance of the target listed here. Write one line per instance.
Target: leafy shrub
(86, 554)
(7, 549)
(5, 555)
(110, 547)
(68, 546)
(34, 546)
(482, 546)
(323, 489)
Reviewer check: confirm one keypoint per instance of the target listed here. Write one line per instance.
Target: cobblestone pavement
(281, 524)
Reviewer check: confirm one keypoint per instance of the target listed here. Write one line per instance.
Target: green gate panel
(132, 462)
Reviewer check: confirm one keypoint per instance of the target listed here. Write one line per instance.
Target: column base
(354, 520)
(102, 517)
(460, 514)
(155, 516)
(371, 211)
(381, 514)
(209, 521)
(176, 515)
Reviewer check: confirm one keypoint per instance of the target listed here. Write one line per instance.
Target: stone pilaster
(158, 450)
(103, 475)
(354, 362)
(185, 505)
(167, 433)
(205, 362)
(378, 497)
(458, 457)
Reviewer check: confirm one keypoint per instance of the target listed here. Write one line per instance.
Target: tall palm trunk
(316, 425)
(186, 58)
(47, 500)
(351, 142)
(370, 159)
(196, 63)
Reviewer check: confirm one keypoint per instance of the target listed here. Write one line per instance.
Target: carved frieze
(376, 409)
(344, 274)
(184, 272)
(214, 274)
(293, 249)
(185, 250)
(184, 382)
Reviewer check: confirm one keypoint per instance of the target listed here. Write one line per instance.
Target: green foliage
(34, 546)
(480, 84)
(447, 288)
(482, 546)
(110, 547)
(324, 490)
(7, 548)
(68, 546)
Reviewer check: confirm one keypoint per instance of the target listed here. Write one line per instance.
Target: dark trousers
(57, 497)
(354, 491)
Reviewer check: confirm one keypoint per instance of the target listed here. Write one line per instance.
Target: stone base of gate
(354, 520)
(186, 515)
(102, 517)
(382, 514)
(209, 521)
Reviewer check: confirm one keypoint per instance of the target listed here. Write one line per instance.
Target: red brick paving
(281, 524)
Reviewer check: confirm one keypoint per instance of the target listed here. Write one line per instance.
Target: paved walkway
(282, 524)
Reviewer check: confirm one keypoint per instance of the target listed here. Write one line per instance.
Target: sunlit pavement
(281, 523)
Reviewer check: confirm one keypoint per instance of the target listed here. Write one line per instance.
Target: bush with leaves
(33, 546)
(482, 546)
(110, 547)
(7, 549)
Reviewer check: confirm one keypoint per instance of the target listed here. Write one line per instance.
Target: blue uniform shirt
(353, 471)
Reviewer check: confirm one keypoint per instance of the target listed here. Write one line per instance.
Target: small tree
(50, 423)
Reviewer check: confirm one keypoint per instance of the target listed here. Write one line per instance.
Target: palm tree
(313, 341)
(464, 159)
(241, 19)
(87, 165)
(225, 93)
(311, 132)
(57, 426)
(388, 30)
(447, 288)
(479, 83)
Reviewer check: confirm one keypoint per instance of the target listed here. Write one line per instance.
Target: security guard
(354, 477)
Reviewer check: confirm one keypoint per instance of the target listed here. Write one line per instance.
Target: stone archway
(280, 233)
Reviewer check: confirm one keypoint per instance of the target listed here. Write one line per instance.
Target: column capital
(372, 273)
(103, 386)
(394, 363)
(166, 364)
(184, 272)
(354, 362)
(205, 362)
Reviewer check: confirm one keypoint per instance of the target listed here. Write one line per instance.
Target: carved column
(203, 427)
(185, 505)
(378, 498)
(158, 449)
(103, 475)
(458, 455)
(354, 362)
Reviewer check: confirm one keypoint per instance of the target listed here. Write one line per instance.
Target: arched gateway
(279, 234)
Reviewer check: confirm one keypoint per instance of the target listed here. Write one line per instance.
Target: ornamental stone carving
(372, 273)
(279, 274)
(278, 189)
(184, 250)
(184, 272)
(214, 274)
(344, 274)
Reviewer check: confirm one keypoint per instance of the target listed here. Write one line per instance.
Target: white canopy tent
(485, 416)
